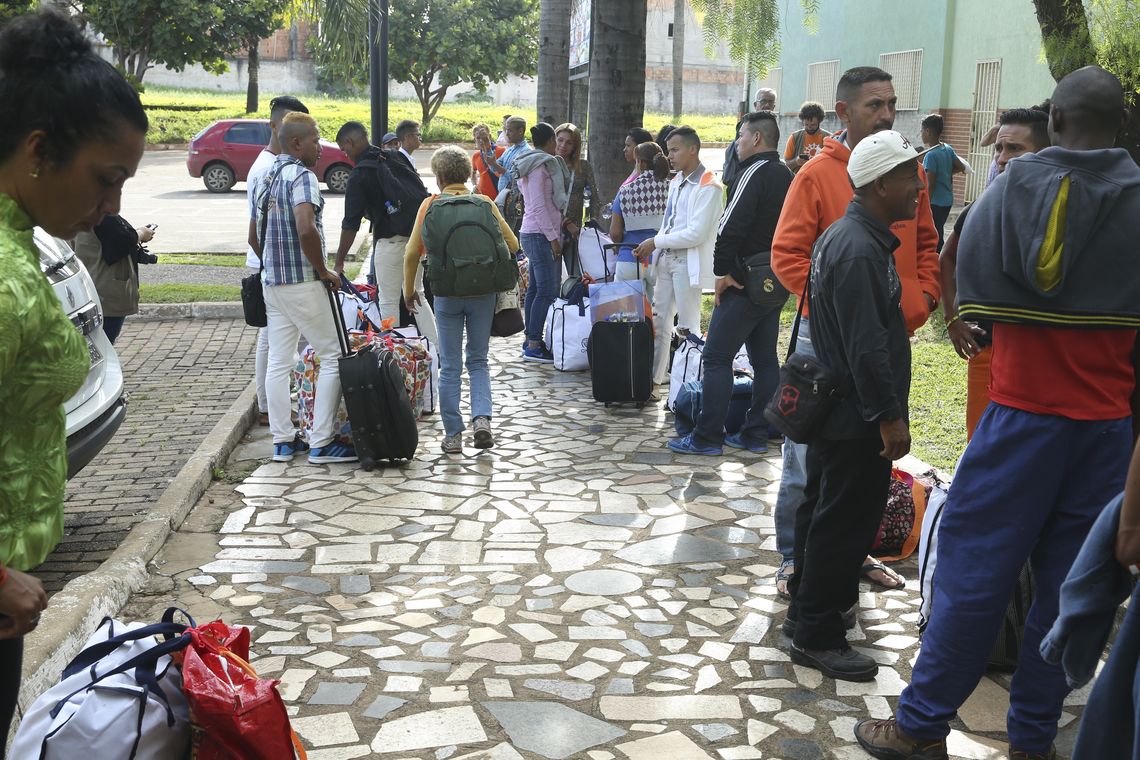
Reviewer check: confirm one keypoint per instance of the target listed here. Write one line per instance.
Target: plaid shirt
(288, 184)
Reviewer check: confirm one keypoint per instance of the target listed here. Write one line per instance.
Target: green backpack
(466, 252)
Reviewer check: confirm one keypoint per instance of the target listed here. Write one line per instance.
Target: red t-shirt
(1079, 374)
(487, 183)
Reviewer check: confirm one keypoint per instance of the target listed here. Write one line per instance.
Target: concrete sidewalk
(579, 591)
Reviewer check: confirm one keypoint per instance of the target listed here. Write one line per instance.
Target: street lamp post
(378, 67)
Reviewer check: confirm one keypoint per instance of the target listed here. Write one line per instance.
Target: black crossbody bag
(807, 393)
(760, 282)
(252, 290)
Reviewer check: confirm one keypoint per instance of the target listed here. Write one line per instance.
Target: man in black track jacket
(748, 295)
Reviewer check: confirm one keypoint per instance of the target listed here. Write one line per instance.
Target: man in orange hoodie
(865, 103)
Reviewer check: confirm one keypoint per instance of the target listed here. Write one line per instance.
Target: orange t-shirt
(1078, 374)
(487, 184)
(813, 144)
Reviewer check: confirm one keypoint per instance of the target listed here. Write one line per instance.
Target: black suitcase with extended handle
(383, 425)
(621, 362)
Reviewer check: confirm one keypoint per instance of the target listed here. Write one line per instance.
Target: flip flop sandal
(875, 566)
(784, 575)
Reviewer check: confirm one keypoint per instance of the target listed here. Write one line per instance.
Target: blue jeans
(738, 321)
(794, 473)
(544, 282)
(1029, 487)
(451, 316)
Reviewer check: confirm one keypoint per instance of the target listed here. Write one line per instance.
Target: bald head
(1088, 109)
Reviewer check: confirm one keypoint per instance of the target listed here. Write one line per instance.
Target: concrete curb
(200, 310)
(75, 612)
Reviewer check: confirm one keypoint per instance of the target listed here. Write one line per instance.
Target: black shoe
(789, 625)
(840, 664)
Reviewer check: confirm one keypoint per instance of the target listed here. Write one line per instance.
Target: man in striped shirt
(289, 238)
(744, 241)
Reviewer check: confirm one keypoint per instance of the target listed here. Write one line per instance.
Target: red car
(222, 154)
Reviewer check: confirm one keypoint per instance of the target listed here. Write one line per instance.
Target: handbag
(235, 712)
(807, 393)
(760, 282)
(252, 289)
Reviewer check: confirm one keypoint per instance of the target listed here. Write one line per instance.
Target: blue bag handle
(168, 629)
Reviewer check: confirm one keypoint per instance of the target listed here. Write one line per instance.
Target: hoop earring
(35, 173)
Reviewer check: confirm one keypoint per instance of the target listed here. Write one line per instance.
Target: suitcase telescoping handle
(617, 247)
(338, 321)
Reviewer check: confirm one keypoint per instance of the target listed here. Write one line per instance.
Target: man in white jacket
(685, 244)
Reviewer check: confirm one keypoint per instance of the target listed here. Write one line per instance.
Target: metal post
(378, 67)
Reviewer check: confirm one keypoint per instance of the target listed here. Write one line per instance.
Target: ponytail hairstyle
(541, 134)
(52, 80)
(649, 155)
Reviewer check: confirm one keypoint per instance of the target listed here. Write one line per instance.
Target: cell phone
(152, 227)
(804, 156)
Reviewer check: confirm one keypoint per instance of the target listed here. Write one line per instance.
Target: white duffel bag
(119, 699)
(567, 333)
(688, 366)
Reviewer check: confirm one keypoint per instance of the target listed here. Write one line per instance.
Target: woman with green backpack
(468, 246)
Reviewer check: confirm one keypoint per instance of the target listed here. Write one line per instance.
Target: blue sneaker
(687, 445)
(284, 452)
(736, 442)
(540, 355)
(332, 453)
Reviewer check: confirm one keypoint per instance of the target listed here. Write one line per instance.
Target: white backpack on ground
(119, 699)
(689, 366)
(567, 333)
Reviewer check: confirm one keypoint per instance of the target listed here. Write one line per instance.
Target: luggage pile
(161, 691)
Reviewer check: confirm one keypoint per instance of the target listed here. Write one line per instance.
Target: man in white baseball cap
(860, 335)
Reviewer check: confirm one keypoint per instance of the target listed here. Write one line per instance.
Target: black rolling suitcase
(621, 362)
(383, 425)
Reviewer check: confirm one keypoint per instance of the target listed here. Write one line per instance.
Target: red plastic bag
(234, 713)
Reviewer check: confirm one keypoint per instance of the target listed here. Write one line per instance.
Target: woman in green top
(72, 130)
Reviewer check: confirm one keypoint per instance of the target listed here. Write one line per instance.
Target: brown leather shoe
(1020, 754)
(884, 740)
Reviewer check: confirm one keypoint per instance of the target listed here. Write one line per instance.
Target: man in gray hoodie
(1049, 248)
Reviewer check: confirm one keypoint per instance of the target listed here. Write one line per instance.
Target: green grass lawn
(937, 388)
(203, 259)
(172, 122)
(177, 293)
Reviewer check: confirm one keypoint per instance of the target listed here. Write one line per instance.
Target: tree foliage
(750, 29)
(433, 44)
(429, 51)
(175, 33)
(9, 9)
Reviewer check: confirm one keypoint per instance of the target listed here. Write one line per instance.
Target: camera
(143, 256)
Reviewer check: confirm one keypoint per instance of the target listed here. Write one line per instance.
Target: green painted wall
(1002, 29)
(953, 34)
(856, 32)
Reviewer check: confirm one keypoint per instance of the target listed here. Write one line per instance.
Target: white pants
(673, 294)
(388, 262)
(292, 309)
(261, 362)
(627, 270)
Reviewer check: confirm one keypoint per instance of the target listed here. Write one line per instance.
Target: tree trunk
(253, 70)
(678, 58)
(1065, 34)
(554, 62)
(617, 88)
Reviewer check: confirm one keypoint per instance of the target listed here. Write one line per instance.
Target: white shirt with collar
(411, 160)
(695, 214)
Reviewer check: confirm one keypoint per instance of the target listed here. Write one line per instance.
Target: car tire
(336, 178)
(218, 178)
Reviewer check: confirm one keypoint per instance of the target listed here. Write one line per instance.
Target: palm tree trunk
(251, 90)
(617, 88)
(554, 61)
(678, 57)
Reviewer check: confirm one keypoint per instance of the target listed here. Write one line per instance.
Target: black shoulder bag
(807, 393)
(252, 292)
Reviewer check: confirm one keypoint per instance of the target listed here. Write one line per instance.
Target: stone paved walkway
(578, 592)
(181, 376)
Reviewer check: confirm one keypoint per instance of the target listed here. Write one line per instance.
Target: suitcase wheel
(367, 464)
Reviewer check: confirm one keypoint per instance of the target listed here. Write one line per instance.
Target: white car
(97, 410)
